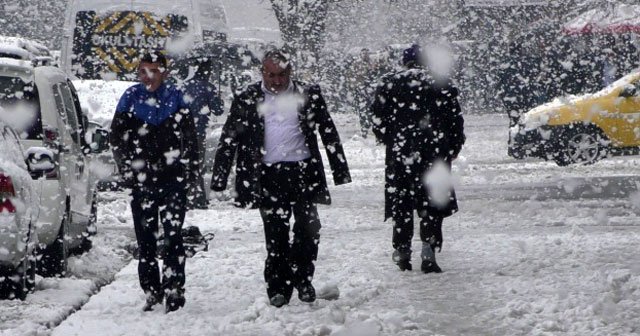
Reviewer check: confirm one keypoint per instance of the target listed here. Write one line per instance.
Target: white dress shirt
(283, 139)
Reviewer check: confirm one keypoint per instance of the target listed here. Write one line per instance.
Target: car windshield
(620, 82)
(20, 107)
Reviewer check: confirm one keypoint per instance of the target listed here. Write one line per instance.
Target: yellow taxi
(582, 129)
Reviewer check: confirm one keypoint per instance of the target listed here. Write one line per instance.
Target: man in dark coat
(203, 100)
(153, 138)
(272, 129)
(362, 78)
(418, 119)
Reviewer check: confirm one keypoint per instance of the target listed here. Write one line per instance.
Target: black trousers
(430, 230)
(289, 263)
(149, 206)
(196, 196)
(402, 213)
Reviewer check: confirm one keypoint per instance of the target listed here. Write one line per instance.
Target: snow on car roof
(9, 49)
(34, 47)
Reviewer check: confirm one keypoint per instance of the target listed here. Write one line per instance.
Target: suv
(45, 104)
(19, 209)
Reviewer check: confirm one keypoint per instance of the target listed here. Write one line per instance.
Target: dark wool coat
(418, 120)
(243, 134)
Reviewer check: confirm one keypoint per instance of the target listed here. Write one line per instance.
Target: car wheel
(92, 229)
(516, 152)
(30, 279)
(16, 283)
(579, 144)
(53, 261)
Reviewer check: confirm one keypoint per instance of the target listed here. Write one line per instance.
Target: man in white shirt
(279, 170)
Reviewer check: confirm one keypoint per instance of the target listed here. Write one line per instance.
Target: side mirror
(99, 141)
(628, 91)
(40, 161)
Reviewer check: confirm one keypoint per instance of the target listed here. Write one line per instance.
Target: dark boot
(175, 301)
(151, 301)
(278, 300)
(429, 264)
(403, 260)
(306, 293)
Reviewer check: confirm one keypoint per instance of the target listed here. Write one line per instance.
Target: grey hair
(277, 56)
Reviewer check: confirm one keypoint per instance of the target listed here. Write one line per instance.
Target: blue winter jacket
(153, 137)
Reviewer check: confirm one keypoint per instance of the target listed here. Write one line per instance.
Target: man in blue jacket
(153, 138)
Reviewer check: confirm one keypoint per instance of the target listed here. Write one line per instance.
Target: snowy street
(535, 249)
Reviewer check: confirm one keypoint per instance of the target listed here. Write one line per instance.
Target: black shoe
(152, 300)
(430, 267)
(404, 265)
(174, 302)
(306, 293)
(278, 300)
(403, 260)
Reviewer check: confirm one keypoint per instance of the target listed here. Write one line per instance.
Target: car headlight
(533, 121)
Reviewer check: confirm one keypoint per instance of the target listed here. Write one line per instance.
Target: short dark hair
(411, 56)
(204, 67)
(154, 57)
(277, 56)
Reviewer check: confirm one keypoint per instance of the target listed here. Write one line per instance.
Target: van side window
(20, 98)
(66, 108)
(83, 120)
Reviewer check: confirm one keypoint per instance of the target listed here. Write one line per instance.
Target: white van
(103, 39)
(45, 104)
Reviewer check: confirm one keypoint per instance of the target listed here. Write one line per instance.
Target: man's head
(152, 70)
(365, 55)
(411, 56)
(276, 71)
(204, 67)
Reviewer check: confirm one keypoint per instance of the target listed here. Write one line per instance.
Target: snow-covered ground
(535, 250)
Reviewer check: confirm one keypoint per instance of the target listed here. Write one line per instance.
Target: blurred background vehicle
(582, 128)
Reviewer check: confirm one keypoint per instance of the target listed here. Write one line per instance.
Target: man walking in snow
(272, 129)
(362, 79)
(153, 137)
(203, 100)
(418, 118)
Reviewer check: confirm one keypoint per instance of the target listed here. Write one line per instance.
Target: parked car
(582, 129)
(45, 108)
(19, 210)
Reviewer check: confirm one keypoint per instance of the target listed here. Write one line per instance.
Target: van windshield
(20, 107)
